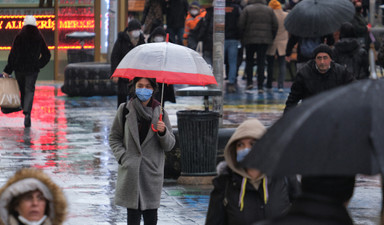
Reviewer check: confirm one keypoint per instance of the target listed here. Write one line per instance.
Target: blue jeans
(176, 35)
(231, 50)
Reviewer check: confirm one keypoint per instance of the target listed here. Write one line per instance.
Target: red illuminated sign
(11, 25)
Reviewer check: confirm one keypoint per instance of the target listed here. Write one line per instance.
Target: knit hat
(195, 4)
(274, 4)
(134, 25)
(323, 48)
(30, 20)
(338, 188)
(347, 31)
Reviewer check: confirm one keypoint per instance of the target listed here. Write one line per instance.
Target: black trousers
(26, 81)
(149, 216)
(261, 51)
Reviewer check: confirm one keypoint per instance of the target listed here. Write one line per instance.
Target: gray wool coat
(141, 167)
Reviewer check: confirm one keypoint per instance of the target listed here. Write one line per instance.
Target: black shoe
(27, 120)
(10, 110)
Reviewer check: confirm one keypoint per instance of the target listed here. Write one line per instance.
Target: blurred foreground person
(245, 196)
(30, 197)
(323, 202)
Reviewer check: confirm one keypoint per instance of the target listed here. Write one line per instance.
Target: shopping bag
(9, 93)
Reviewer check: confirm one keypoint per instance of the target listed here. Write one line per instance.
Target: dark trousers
(26, 81)
(176, 35)
(282, 70)
(149, 216)
(260, 50)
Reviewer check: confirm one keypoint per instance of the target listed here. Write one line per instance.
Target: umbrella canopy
(338, 132)
(168, 63)
(315, 18)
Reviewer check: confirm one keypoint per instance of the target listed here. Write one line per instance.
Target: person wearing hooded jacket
(126, 41)
(29, 54)
(140, 152)
(242, 196)
(349, 53)
(32, 190)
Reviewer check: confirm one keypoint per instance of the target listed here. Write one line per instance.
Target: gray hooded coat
(141, 166)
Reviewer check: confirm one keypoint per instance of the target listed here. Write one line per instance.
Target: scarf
(144, 118)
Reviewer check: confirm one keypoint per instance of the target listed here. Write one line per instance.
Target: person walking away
(29, 54)
(278, 48)
(140, 152)
(176, 11)
(195, 14)
(126, 41)
(323, 202)
(204, 32)
(152, 15)
(361, 26)
(30, 197)
(258, 26)
(349, 53)
(317, 75)
(231, 43)
(244, 196)
(159, 35)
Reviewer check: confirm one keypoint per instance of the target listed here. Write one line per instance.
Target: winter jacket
(313, 210)
(232, 15)
(141, 166)
(176, 11)
(204, 30)
(309, 82)
(26, 180)
(29, 52)
(293, 40)
(258, 23)
(191, 22)
(280, 42)
(152, 15)
(263, 198)
(350, 54)
(121, 47)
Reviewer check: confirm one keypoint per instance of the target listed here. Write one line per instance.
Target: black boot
(27, 120)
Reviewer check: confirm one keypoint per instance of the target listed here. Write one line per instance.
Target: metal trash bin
(198, 139)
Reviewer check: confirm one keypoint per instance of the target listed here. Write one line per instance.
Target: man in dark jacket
(258, 26)
(28, 55)
(349, 53)
(317, 75)
(126, 41)
(176, 11)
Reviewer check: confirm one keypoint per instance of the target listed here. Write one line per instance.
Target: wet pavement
(69, 141)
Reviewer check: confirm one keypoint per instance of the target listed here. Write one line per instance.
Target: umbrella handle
(160, 119)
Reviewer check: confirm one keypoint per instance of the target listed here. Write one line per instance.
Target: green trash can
(198, 139)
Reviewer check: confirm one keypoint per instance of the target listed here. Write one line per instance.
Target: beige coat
(281, 40)
(141, 166)
(29, 179)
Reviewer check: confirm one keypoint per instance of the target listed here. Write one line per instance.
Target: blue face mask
(242, 153)
(144, 94)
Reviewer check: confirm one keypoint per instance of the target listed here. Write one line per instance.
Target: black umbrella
(315, 18)
(338, 132)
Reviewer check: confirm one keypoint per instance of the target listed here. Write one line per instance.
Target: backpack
(307, 45)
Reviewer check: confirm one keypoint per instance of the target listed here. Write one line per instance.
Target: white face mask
(194, 12)
(158, 39)
(136, 33)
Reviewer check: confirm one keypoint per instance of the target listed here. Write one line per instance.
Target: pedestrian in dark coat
(323, 202)
(126, 41)
(258, 26)
(349, 53)
(29, 54)
(152, 15)
(204, 33)
(242, 196)
(317, 75)
(176, 11)
(140, 152)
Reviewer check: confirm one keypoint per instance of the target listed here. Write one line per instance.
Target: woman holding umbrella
(140, 151)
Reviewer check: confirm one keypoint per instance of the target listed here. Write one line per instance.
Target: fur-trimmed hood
(29, 179)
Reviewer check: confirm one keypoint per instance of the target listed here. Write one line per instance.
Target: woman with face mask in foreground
(140, 152)
(245, 196)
